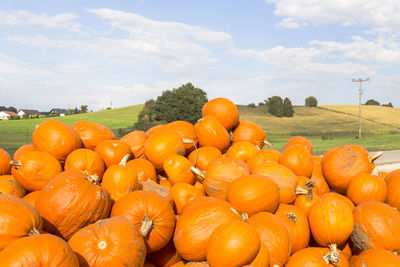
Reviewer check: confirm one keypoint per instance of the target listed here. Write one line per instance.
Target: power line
(359, 80)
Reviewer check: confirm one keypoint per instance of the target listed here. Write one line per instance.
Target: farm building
(7, 115)
(28, 113)
(58, 111)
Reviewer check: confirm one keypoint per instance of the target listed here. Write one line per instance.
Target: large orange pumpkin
(5, 167)
(299, 140)
(224, 110)
(211, 133)
(182, 193)
(39, 250)
(199, 219)
(144, 169)
(165, 257)
(242, 150)
(85, 160)
(376, 257)
(249, 131)
(70, 201)
(17, 219)
(135, 140)
(318, 177)
(153, 130)
(376, 226)
(22, 150)
(177, 168)
(298, 159)
(10, 186)
(393, 185)
(151, 213)
(113, 151)
(335, 195)
(92, 133)
(35, 169)
(56, 138)
(366, 187)
(202, 156)
(284, 177)
(253, 193)
(109, 242)
(186, 131)
(316, 256)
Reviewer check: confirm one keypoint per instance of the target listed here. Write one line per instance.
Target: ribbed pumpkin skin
(70, 201)
(31, 197)
(199, 219)
(144, 169)
(177, 168)
(341, 164)
(92, 133)
(340, 197)
(112, 151)
(22, 150)
(376, 257)
(304, 202)
(264, 155)
(136, 205)
(186, 131)
(182, 193)
(224, 110)
(152, 186)
(253, 193)
(220, 173)
(109, 242)
(249, 131)
(298, 159)
(284, 177)
(5, 167)
(299, 140)
(393, 195)
(211, 133)
(232, 244)
(376, 226)
(331, 221)
(242, 150)
(36, 169)
(262, 258)
(314, 257)
(201, 157)
(56, 138)
(10, 186)
(366, 187)
(85, 160)
(160, 146)
(318, 177)
(43, 250)
(135, 140)
(165, 257)
(274, 234)
(17, 219)
(296, 222)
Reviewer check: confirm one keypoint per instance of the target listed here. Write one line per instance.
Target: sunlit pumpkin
(250, 131)
(242, 150)
(298, 159)
(10, 186)
(144, 169)
(92, 133)
(202, 156)
(5, 167)
(135, 140)
(85, 160)
(177, 168)
(211, 133)
(113, 151)
(224, 110)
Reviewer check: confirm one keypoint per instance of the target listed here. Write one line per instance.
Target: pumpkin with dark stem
(92, 133)
(86, 160)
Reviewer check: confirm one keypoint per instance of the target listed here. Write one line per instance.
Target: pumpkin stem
(300, 191)
(124, 160)
(230, 135)
(34, 231)
(267, 143)
(374, 156)
(94, 178)
(244, 216)
(16, 164)
(332, 257)
(198, 172)
(159, 177)
(363, 264)
(291, 216)
(147, 226)
(375, 172)
(188, 141)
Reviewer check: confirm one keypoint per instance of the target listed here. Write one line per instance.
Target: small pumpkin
(85, 160)
(305, 198)
(250, 131)
(186, 131)
(263, 155)
(152, 186)
(113, 151)
(92, 133)
(177, 168)
(182, 193)
(144, 169)
(299, 140)
(202, 156)
(10, 186)
(366, 187)
(5, 167)
(211, 133)
(317, 256)
(335, 195)
(376, 257)
(242, 150)
(135, 140)
(298, 159)
(224, 110)
(393, 185)
(22, 150)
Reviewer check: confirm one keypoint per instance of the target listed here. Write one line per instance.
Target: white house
(6, 115)
(28, 113)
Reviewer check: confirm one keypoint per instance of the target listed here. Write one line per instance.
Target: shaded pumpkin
(262, 258)
(31, 197)
(242, 150)
(177, 168)
(224, 110)
(35, 169)
(202, 156)
(252, 132)
(10, 186)
(144, 169)
(70, 201)
(56, 138)
(153, 130)
(211, 133)
(151, 213)
(113, 151)
(263, 155)
(163, 181)
(298, 159)
(152, 186)
(135, 140)
(318, 177)
(316, 256)
(393, 185)
(86, 160)
(5, 167)
(186, 131)
(92, 133)
(165, 257)
(305, 199)
(299, 140)
(182, 193)
(366, 187)
(110, 242)
(22, 150)
(376, 257)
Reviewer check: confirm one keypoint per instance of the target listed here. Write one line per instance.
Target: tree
(10, 108)
(372, 102)
(311, 101)
(84, 108)
(251, 105)
(275, 106)
(390, 105)
(287, 108)
(76, 110)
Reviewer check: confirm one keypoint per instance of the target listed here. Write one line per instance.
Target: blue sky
(69, 53)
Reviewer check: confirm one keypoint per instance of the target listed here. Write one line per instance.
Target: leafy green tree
(10, 108)
(275, 106)
(84, 108)
(372, 102)
(287, 108)
(311, 101)
(390, 105)
(251, 105)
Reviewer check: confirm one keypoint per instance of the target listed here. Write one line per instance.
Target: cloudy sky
(68, 53)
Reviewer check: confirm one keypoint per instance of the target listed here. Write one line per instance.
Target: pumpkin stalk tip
(374, 156)
(198, 172)
(332, 257)
(300, 191)
(147, 226)
(124, 160)
(94, 178)
(375, 172)
(34, 231)
(291, 216)
(267, 143)
(16, 164)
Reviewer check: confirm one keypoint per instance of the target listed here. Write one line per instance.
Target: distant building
(7, 115)
(28, 113)
(58, 111)
(44, 114)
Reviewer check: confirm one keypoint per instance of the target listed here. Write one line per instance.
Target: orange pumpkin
(224, 110)
(335, 195)
(135, 140)
(318, 177)
(109, 242)
(31, 197)
(153, 130)
(249, 131)
(305, 200)
(39, 250)
(92, 133)
(232, 244)
(144, 169)
(22, 150)
(317, 257)
(262, 258)
(264, 155)
(376, 226)
(284, 177)
(165, 257)
(274, 234)
(113, 151)
(202, 156)
(298, 159)
(10, 186)
(182, 193)
(151, 213)
(56, 138)
(119, 180)
(35, 169)
(211, 133)
(160, 146)
(70, 201)
(242, 150)
(253, 193)
(393, 185)
(5, 167)
(85, 160)
(163, 181)
(152, 186)
(296, 222)
(199, 219)
(299, 140)
(376, 257)
(366, 187)
(178, 170)
(186, 131)
(17, 219)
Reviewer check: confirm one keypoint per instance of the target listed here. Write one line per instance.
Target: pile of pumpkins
(193, 195)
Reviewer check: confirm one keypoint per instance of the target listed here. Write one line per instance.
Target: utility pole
(359, 107)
